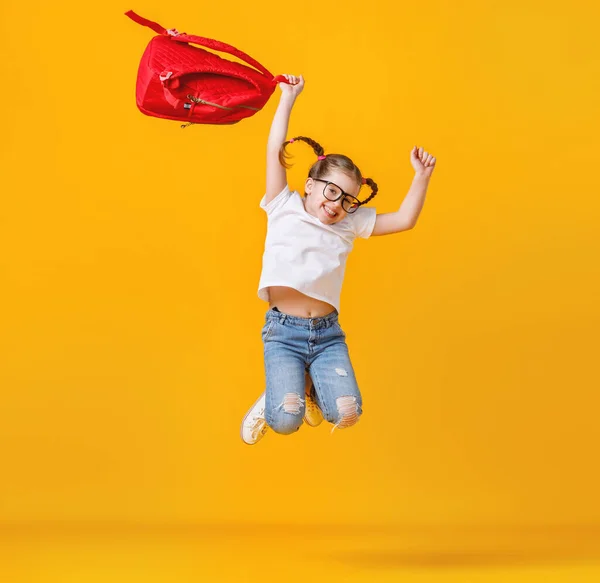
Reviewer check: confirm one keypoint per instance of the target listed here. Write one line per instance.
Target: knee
(348, 412)
(287, 417)
(284, 424)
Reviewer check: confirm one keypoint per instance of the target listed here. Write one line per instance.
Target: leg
(337, 392)
(285, 394)
(254, 425)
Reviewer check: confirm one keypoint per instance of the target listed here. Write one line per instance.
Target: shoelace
(259, 429)
(259, 424)
(311, 405)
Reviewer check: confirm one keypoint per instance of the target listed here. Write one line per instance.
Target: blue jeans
(294, 347)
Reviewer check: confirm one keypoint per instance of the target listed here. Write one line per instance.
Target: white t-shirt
(303, 253)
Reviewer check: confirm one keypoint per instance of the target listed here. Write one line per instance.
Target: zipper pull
(195, 99)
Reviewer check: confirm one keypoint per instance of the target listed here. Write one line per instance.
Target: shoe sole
(313, 425)
(244, 420)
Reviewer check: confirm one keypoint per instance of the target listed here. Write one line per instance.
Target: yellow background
(131, 252)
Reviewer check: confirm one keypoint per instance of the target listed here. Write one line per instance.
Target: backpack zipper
(203, 102)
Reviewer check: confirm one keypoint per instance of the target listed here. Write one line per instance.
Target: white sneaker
(254, 425)
(312, 414)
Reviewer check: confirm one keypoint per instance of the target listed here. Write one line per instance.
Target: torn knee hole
(292, 403)
(348, 410)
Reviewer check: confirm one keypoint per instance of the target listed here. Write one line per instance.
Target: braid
(283, 155)
(374, 188)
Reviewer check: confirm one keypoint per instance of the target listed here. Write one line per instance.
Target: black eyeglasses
(333, 192)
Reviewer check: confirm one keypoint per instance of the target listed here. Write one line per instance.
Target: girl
(308, 370)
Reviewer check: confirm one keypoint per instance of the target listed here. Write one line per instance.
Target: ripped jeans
(295, 346)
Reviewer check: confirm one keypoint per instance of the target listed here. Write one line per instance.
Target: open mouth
(329, 212)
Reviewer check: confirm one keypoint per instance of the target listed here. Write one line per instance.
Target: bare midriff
(292, 302)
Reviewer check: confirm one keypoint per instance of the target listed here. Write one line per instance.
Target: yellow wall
(131, 252)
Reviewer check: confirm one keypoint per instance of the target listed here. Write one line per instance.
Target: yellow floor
(182, 554)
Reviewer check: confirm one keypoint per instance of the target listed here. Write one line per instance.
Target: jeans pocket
(337, 327)
(267, 330)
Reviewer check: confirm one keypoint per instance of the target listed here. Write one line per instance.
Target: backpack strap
(145, 22)
(222, 47)
(206, 42)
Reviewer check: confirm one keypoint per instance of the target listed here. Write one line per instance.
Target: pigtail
(284, 155)
(374, 189)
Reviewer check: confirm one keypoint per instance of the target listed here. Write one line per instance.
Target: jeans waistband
(321, 322)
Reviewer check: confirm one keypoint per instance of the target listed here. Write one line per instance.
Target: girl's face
(328, 211)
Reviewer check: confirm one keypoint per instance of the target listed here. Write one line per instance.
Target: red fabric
(171, 69)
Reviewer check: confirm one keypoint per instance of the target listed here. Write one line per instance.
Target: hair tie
(292, 141)
(364, 180)
(321, 157)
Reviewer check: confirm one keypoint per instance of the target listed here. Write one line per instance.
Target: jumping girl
(309, 375)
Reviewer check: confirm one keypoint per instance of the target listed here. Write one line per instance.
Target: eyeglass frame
(327, 183)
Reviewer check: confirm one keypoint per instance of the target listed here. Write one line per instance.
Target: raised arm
(406, 216)
(276, 173)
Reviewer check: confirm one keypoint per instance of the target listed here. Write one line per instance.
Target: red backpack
(182, 82)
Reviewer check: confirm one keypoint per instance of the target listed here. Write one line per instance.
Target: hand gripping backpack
(186, 83)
